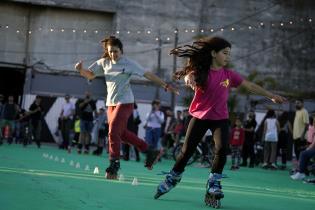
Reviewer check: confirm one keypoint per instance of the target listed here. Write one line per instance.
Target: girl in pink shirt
(206, 73)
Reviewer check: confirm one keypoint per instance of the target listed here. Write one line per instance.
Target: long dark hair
(113, 41)
(283, 119)
(199, 58)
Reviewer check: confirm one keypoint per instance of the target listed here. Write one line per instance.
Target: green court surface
(30, 181)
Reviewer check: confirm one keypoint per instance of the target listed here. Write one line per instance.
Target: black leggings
(195, 131)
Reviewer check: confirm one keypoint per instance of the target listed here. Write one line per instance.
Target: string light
(175, 31)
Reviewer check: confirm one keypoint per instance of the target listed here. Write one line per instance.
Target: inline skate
(171, 180)
(112, 170)
(214, 191)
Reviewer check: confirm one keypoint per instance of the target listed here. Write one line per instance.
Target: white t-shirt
(155, 119)
(271, 132)
(68, 109)
(117, 76)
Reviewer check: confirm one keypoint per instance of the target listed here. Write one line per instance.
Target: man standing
(300, 125)
(36, 112)
(10, 111)
(248, 146)
(86, 108)
(66, 116)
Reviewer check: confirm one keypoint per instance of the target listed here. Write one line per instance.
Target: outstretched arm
(152, 77)
(252, 87)
(84, 72)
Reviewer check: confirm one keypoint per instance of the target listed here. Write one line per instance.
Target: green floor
(30, 181)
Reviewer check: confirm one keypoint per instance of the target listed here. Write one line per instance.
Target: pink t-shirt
(212, 102)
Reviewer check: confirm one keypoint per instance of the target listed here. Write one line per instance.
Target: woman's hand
(190, 81)
(278, 99)
(78, 66)
(171, 88)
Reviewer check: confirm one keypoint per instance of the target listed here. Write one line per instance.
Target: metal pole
(159, 50)
(173, 96)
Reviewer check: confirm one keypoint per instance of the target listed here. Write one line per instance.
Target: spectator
(271, 131)
(305, 156)
(66, 117)
(300, 124)
(36, 113)
(236, 142)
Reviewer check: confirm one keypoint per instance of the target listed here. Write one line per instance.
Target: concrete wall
(281, 52)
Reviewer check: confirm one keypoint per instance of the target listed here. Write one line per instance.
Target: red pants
(118, 133)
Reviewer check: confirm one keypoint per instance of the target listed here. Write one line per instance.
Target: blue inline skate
(214, 191)
(171, 180)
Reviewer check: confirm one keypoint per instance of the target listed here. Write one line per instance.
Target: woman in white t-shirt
(271, 130)
(118, 70)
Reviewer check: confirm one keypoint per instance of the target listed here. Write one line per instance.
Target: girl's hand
(171, 88)
(190, 81)
(78, 66)
(278, 99)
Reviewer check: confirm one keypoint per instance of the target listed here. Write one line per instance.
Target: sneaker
(298, 176)
(283, 167)
(273, 166)
(265, 165)
(151, 158)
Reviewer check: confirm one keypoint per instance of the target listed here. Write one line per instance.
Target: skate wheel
(111, 176)
(210, 200)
